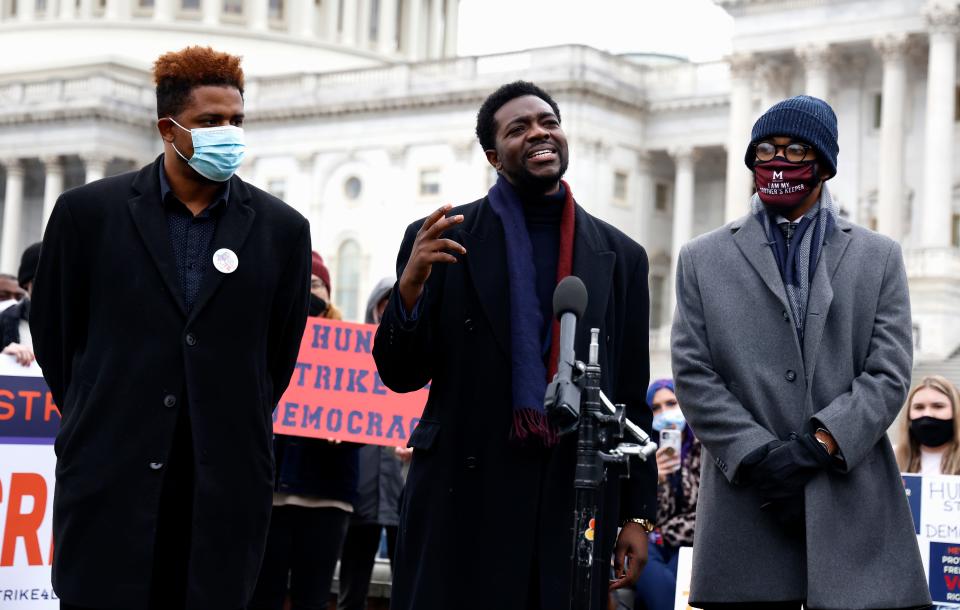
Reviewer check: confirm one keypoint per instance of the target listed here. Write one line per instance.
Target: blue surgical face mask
(669, 418)
(217, 151)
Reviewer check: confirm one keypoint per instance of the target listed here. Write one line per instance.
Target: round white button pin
(225, 260)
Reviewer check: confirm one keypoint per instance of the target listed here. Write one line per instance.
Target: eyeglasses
(794, 152)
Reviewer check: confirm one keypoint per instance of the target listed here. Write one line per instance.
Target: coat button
(786, 316)
(471, 463)
(156, 465)
(191, 339)
(468, 325)
(169, 401)
(790, 376)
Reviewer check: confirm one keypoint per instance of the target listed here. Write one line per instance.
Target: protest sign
(935, 504)
(336, 391)
(28, 424)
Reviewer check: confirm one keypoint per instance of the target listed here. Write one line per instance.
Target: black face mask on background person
(930, 431)
(317, 306)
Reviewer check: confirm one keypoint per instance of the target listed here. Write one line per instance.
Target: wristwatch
(646, 524)
(822, 442)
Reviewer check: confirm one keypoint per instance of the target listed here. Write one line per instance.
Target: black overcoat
(122, 356)
(482, 519)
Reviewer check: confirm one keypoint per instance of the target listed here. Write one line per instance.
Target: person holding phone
(678, 478)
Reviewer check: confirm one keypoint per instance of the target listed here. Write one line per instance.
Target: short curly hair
(178, 73)
(487, 127)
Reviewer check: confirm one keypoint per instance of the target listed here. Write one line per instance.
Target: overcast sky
(696, 29)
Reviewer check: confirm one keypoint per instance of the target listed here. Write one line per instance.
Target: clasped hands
(780, 470)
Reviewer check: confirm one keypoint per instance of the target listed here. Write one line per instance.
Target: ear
(493, 159)
(165, 126)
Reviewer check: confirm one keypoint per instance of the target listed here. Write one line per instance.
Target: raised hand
(428, 248)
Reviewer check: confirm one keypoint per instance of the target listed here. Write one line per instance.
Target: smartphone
(670, 440)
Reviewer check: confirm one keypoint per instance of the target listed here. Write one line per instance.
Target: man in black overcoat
(487, 513)
(168, 310)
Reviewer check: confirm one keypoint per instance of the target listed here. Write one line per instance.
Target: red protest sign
(336, 391)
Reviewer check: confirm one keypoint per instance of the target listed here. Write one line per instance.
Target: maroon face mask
(784, 185)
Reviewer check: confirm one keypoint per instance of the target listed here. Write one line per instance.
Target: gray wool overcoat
(743, 379)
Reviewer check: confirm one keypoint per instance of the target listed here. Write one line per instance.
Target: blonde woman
(930, 428)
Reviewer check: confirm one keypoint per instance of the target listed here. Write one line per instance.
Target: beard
(526, 181)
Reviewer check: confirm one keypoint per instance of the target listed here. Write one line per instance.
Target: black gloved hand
(788, 466)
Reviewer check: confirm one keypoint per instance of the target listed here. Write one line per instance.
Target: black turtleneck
(543, 213)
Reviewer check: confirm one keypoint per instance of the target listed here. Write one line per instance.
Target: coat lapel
(151, 222)
(593, 264)
(487, 262)
(753, 243)
(232, 230)
(821, 292)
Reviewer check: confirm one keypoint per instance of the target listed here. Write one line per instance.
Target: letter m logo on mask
(778, 175)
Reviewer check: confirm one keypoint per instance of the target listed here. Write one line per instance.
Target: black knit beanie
(808, 119)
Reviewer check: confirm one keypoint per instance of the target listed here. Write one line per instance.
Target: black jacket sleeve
(639, 492)
(288, 315)
(402, 345)
(59, 305)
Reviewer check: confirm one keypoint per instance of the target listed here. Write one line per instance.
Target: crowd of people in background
(338, 501)
(474, 471)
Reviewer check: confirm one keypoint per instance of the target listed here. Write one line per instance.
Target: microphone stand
(600, 425)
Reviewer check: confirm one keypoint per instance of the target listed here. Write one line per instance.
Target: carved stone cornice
(775, 76)
(942, 17)
(817, 56)
(893, 47)
(742, 65)
(850, 67)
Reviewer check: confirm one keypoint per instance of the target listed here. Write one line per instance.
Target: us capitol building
(360, 115)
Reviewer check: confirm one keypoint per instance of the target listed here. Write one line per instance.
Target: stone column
(348, 35)
(363, 24)
(683, 186)
(163, 9)
(436, 29)
(451, 24)
(738, 182)
(116, 9)
(302, 20)
(890, 212)
(848, 104)
(211, 10)
(331, 20)
(774, 83)
(936, 211)
(12, 214)
(95, 167)
(257, 15)
(411, 29)
(68, 9)
(817, 61)
(26, 10)
(387, 27)
(645, 196)
(52, 187)
(86, 9)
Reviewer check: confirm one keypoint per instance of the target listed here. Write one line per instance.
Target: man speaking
(167, 315)
(487, 514)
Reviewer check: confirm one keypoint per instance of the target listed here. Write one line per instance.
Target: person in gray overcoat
(792, 353)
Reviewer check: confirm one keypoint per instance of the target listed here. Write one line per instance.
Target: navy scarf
(529, 372)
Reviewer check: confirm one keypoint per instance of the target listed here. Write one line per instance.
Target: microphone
(562, 400)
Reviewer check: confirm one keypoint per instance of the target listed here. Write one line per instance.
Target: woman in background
(678, 485)
(930, 429)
